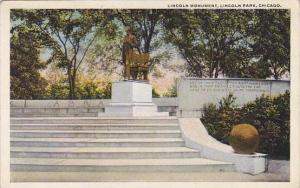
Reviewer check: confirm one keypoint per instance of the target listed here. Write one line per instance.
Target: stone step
(103, 153)
(157, 126)
(94, 120)
(87, 142)
(120, 165)
(134, 114)
(95, 134)
(55, 110)
(87, 114)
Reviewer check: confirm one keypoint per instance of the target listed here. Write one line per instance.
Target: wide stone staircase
(71, 145)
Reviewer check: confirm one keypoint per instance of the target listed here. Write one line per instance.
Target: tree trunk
(276, 72)
(276, 76)
(70, 84)
(147, 46)
(211, 64)
(73, 90)
(217, 70)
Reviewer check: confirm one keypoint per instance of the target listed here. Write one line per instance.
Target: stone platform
(131, 98)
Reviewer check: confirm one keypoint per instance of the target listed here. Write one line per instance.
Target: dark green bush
(270, 115)
(84, 90)
(220, 119)
(90, 90)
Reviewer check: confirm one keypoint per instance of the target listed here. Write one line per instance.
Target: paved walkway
(140, 177)
(279, 171)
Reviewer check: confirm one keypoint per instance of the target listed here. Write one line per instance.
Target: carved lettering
(228, 86)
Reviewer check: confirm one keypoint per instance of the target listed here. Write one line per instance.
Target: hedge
(270, 115)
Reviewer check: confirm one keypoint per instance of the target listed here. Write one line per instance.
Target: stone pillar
(131, 98)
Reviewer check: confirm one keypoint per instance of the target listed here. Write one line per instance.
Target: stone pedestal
(130, 99)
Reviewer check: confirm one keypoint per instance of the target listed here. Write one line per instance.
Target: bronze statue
(135, 63)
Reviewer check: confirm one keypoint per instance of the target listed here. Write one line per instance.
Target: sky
(168, 73)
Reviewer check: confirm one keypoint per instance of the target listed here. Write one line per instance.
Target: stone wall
(164, 104)
(194, 93)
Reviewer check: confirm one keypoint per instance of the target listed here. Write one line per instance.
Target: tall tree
(207, 38)
(146, 25)
(26, 81)
(271, 41)
(104, 56)
(68, 34)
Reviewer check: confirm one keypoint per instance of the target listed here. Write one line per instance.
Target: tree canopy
(25, 63)
(213, 43)
(234, 43)
(68, 34)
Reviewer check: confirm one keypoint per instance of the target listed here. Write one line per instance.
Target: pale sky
(161, 83)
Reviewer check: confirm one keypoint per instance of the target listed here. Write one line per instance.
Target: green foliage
(155, 94)
(57, 91)
(68, 35)
(220, 119)
(104, 55)
(234, 43)
(26, 81)
(231, 43)
(146, 25)
(208, 39)
(270, 116)
(270, 33)
(90, 90)
(172, 91)
(85, 90)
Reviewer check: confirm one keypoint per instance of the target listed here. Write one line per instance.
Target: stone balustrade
(90, 105)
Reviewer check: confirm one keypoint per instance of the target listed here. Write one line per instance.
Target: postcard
(149, 93)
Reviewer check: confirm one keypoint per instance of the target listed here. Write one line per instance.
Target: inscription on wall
(193, 94)
(228, 86)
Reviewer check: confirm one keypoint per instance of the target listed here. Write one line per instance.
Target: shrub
(57, 91)
(172, 91)
(84, 90)
(269, 115)
(155, 94)
(91, 90)
(220, 118)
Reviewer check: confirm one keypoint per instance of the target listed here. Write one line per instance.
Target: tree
(147, 26)
(234, 43)
(271, 36)
(91, 87)
(207, 38)
(26, 81)
(104, 55)
(68, 34)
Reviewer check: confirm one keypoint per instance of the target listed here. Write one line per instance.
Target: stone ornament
(244, 139)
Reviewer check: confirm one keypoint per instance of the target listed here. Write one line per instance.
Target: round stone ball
(244, 139)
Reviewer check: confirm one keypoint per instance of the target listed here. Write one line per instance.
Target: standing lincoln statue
(134, 62)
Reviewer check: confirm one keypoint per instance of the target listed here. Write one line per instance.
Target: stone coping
(92, 118)
(136, 81)
(88, 103)
(50, 107)
(248, 79)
